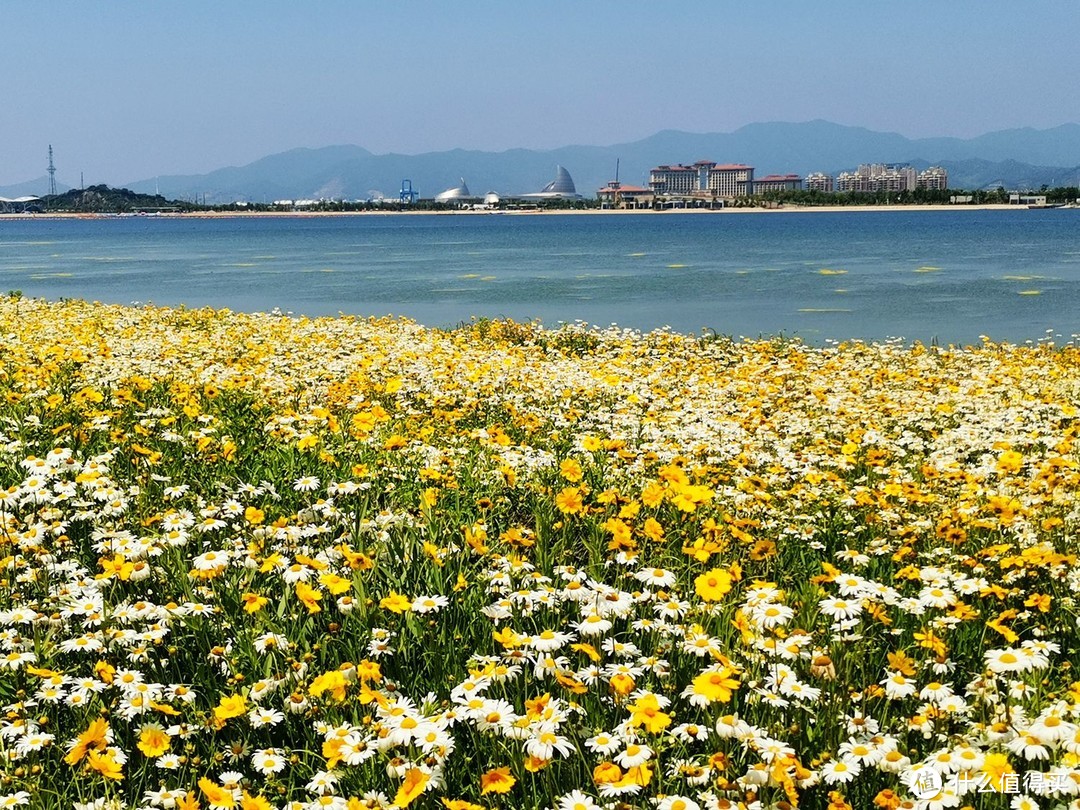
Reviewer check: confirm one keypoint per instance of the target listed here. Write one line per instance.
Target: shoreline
(829, 209)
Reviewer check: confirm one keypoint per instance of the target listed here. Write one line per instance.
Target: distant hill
(1010, 174)
(31, 188)
(103, 199)
(1009, 158)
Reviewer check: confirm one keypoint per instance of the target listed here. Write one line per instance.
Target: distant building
(819, 181)
(12, 205)
(778, 182)
(731, 180)
(871, 177)
(561, 188)
(933, 179)
(456, 195)
(617, 195)
(1030, 200)
(676, 179)
(704, 178)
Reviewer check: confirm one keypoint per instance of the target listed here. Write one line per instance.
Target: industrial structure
(52, 173)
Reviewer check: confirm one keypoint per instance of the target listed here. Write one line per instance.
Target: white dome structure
(456, 194)
(561, 188)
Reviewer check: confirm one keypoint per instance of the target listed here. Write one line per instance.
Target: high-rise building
(877, 177)
(677, 179)
(704, 178)
(819, 181)
(933, 179)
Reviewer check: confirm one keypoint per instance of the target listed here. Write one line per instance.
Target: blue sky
(128, 90)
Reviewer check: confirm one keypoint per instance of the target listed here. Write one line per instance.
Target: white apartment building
(819, 181)
(933, 179)
(877, 177)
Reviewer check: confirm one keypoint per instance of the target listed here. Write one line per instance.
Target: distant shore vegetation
(103, 199)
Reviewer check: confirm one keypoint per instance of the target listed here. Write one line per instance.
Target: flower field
(251, 561)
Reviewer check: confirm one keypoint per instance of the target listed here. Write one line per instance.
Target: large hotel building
(703, 179)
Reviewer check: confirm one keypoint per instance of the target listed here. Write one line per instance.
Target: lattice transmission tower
(52, 173)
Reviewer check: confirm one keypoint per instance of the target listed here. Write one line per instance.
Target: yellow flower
(309, 596)
(216, 796)
(607, 773)
(588, 649)
(333, 682)
(653, 494)
(396, 602)
(646, 712)
(254, 516)
(569, 501)
(229, 707)
(508, 638)
(1039, 600)
(307, 442)
(253, 603)
(536, 764)
(571, 470)
(153, 741)
(368, 671)
(996, 766)
(93, 739)
(716, 685)
(105, 764)
(459, 804)
(335, 584)
(1010, 461)
(622, 684)
(249, 802)
(653, 530)
(117, 567)
(497, 780)
(105, 671)
(415, 782)
(714, 585)
(639, 775)
(476, 537)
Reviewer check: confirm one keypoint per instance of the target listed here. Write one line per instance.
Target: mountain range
(1015, 158)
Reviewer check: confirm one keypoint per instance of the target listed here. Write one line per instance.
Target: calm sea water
(950, 276)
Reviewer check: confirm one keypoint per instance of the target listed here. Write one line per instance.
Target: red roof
(774, 178)
(732, 166)
(624, 189)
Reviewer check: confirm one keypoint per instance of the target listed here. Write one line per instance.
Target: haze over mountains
(1016, 158)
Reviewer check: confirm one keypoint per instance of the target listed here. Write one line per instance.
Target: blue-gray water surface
(949, 276)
